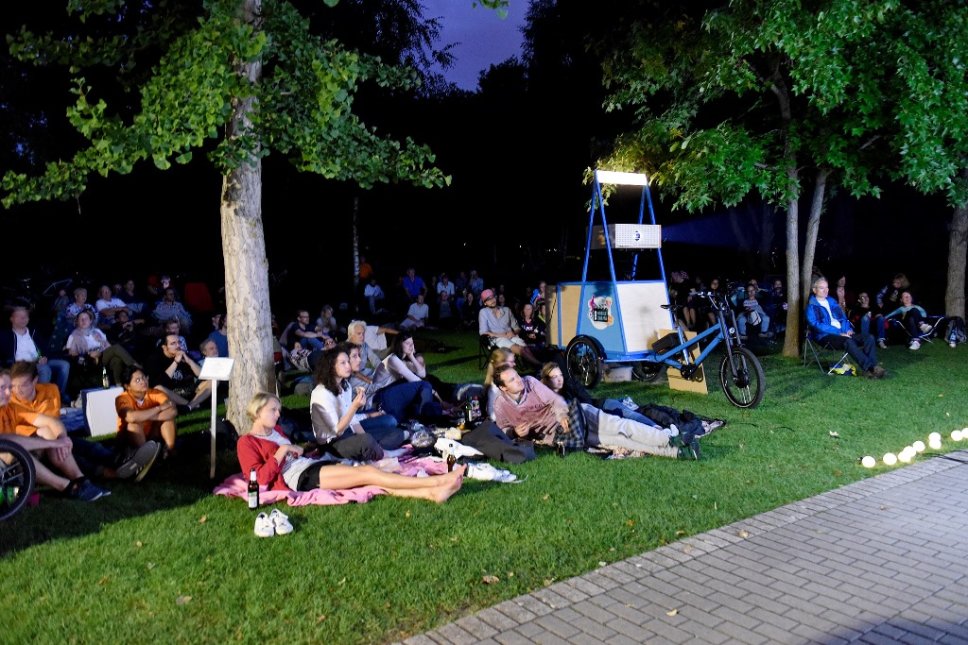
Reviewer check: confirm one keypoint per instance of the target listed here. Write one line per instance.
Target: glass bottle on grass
(253, 490)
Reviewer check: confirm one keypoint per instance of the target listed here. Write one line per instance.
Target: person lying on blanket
(280, 465)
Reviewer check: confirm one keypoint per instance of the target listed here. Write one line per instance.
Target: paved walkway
(884, 560)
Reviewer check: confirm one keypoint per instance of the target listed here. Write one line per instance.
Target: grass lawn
(167, 561)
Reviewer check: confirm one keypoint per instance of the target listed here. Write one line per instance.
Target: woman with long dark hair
(339, 421)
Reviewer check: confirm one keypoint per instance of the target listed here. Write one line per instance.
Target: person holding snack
(339, 425)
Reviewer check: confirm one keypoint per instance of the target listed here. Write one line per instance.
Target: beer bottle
(253, 490)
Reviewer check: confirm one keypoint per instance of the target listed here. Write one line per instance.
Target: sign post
(215, 369)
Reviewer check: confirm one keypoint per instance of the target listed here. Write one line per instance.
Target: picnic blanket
(238, 486)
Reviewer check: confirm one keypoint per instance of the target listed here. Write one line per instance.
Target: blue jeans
(92, 457)
(859, 346)
(310, 343)
(613, 406)
(408, 400)
(55, 371)
(743, 318)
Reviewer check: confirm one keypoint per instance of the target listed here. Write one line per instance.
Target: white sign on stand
(215, 369)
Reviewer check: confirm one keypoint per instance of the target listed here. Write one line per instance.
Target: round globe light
(934, 435)
(956, 435)
(934, 443)
(919, 446)
(905, 457)
(890, 459)
(868, 462)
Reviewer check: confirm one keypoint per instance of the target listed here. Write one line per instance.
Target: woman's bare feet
(450, 484)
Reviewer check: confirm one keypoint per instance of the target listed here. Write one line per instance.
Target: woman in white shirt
(93, 357)
(338, 420)
(404, 363)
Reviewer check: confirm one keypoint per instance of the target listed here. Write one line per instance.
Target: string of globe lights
(909, 452)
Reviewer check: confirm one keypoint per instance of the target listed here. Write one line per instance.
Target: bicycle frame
(721, 333)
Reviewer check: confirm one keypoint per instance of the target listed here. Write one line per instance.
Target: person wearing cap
(500, 326)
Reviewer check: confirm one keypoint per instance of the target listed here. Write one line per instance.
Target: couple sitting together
(558, 411)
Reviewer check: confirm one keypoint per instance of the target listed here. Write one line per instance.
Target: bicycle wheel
(646, 371)
(585, 360)
(745, 387)
(17, 477)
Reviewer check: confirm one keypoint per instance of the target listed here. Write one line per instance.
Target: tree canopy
(238, 79)
(768, 98)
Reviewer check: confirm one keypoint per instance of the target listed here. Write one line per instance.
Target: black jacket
(8, 345)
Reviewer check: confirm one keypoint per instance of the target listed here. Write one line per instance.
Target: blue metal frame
(598, 202)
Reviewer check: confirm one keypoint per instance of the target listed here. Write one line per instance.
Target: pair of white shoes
(275, 523)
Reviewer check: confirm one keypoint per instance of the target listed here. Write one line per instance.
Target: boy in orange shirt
(144, 413)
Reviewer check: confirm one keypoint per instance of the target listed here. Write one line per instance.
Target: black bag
(297, 425)
(492, 441)
(665, 416)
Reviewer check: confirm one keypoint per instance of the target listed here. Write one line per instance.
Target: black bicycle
(17, 478)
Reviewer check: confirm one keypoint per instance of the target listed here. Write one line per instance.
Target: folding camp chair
(484, 347)
(930, 327)
(818, 351)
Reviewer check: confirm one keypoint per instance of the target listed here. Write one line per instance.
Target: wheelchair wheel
(585, 359)
(17, 478)
(746, 386)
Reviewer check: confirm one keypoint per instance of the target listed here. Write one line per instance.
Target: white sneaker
(881, 343)
(915, 345)
(487, 472)
(280, 522)
(952, 344)
(263, 526)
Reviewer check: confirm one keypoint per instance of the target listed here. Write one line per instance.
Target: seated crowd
(891, 316)
(369, 394)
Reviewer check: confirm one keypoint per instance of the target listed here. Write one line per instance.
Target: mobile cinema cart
(598, 322)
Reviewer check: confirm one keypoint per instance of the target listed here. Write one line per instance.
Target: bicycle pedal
(688, 371)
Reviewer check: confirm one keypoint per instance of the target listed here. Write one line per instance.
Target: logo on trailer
(600, 312)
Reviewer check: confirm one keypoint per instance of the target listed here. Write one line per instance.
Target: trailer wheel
(585, 359)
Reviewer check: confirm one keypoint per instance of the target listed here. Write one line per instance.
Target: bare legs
(436, 488)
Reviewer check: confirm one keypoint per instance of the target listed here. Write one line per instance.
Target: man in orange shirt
(33, 402)
(144, 413)
(51, 444)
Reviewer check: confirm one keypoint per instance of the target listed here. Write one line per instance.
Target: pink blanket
(238, 486)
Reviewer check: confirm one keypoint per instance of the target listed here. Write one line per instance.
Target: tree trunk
(791, 341)
(246, 266)
(954, 297)
(246, 290)
(813, 230)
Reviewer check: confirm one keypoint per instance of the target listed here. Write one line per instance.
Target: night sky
(515, 209)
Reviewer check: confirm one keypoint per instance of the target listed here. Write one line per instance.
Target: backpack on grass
(955, 330)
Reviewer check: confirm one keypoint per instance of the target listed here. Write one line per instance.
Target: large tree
(772, 98)
(238, 79)
(928, 44)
